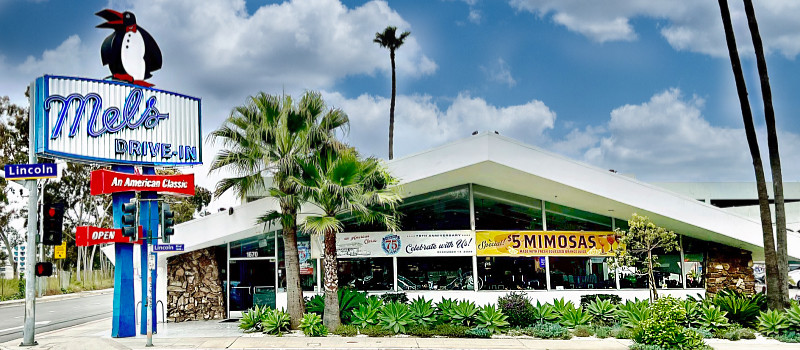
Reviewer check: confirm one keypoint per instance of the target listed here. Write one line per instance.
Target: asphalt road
(53, 315)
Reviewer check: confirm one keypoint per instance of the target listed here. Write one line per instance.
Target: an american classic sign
(107, 181)
(100, 121)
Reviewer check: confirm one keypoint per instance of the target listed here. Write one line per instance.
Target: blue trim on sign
(113, 161)
(115, 82)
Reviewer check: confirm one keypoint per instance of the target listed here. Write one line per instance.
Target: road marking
(19, 327)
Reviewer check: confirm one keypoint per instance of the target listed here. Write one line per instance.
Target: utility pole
(30, 264)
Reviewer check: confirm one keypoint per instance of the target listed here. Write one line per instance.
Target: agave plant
(423, 312)
(491, 318)
(544, 313)
(395, 316)
(365, 316)
(275, 321)
(603, 311)
(251, 319)
(464, 313)
(692, 310)
(793, 317)
(712, 317)
(772, 322)
(443, 309)
(311, 325)
(573, 317)
(740, 308)
(560, 305)
(632, 313)
(349, 300)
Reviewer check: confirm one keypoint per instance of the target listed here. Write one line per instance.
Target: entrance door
(252, 283)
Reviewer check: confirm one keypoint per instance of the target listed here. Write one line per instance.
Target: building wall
(194, 290)
(729, 268)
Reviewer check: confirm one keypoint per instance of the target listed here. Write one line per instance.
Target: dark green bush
(400, 297)
(788, 337)
(740, 308)
(346, 330)
(478, 332)
(376, 331)
(548, 331)
(518, 307)
(450, 330)
(583, 331)
(349, 300)
(587, 299)
(664, 329)
(420, 331)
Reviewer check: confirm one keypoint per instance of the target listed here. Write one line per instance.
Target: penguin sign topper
(130, 52)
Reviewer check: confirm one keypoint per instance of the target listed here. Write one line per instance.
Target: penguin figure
(130, 52)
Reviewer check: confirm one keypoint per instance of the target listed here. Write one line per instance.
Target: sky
(642, 87)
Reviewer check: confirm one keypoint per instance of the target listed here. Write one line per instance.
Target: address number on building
(252, 254)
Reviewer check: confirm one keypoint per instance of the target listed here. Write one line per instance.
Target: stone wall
(728, 268)
(194, 287)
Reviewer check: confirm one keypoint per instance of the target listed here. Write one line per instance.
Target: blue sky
(637, 86)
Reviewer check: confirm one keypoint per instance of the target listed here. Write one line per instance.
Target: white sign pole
(151, 261)
(30, 265)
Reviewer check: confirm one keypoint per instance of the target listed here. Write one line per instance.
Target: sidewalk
(58, 297)
(217, 335)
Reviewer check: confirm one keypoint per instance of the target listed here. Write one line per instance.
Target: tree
(340, 183)
(388, 39)
(638, 245)
(13, 150)
(270, 135)
(777, 274)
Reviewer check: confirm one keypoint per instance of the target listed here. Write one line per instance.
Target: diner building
(481, 216)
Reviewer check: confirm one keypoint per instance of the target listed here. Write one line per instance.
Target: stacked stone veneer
(728, 268)
(194, 287)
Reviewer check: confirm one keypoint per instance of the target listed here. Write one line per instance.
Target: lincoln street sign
(31, 171)
(168, 248)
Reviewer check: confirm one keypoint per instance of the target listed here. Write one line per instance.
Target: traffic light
(129, 219)
(44, 269)
(52, 228)
(167, 223)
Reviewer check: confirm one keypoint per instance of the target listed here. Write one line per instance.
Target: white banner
(109, 122)
(401, 244)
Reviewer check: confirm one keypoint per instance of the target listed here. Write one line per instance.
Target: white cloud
(474, 16)
(688, 25)
(420, 124)
(501, 73)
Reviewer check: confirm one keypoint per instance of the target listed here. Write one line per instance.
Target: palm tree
(340, 183)
(388, 40)
(774, 156)
(269, 135)
(774, 278)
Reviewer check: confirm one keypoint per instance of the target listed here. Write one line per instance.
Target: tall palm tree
(774, 277)
(388, 39)
(270, 135)
(774, 155)
(341, 183)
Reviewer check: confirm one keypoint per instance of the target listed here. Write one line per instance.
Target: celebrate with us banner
(546, 243)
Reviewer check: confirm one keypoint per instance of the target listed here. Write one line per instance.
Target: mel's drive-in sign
(107, 181)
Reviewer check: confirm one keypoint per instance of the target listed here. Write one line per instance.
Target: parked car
(794, 278)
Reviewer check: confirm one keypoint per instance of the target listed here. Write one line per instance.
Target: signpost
(167, 248)
(30, 171)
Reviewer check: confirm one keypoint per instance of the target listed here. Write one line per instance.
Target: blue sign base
(123, 319)
(148, 218)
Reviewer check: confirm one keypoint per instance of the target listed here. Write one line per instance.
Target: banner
(106, 181)
(401, 244)
(89, 235)
(304, 252)
(546, 243)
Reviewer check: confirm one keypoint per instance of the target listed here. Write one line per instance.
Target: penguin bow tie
(131, 28)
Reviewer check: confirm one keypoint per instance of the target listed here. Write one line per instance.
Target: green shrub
(747, 333)
(636, 346)
(542, 313)
(251, 319)
(603, 312)
(346, 330)
(741, 309)
(633, 312)
(589, 298)
(712, 317)
(793, 317)
(311, 325)
(400, 297)
(444, 309)
(788, 337)
(349, 300)
(704, 332)
(365, 316)
(450, 330)
(621, 332)
(663, 328)
(422, 311)
(583, 331)
(602, 332)
(548, 331)
(491, 318)
(419, 330)
(519, 309)
(478, 332)
(573, 317)
(376, 331)
(772, 322)
(560, 305)
(692, 309)
(395, 316)
(463, 313)
(274, 321)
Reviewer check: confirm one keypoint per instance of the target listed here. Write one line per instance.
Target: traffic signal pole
(28, 329)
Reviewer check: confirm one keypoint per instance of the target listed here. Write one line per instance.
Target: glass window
(693, 261)
(451, 273)
(259, 246)
(667, 273)
(308, 266)
(499, 210)
(507, 273)
(562, 218)
(621, 224)
(366, 274)
(446, 209)
(580, 273)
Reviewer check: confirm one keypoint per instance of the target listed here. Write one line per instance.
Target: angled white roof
(506, 164)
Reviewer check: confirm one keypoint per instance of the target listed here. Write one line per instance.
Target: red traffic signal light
(52, 232)
(44, 269)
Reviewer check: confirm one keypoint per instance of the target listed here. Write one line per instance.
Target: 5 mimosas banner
(546, 243)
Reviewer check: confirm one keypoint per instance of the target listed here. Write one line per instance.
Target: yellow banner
(545, 243)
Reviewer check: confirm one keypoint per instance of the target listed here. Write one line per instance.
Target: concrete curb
(58, 297)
